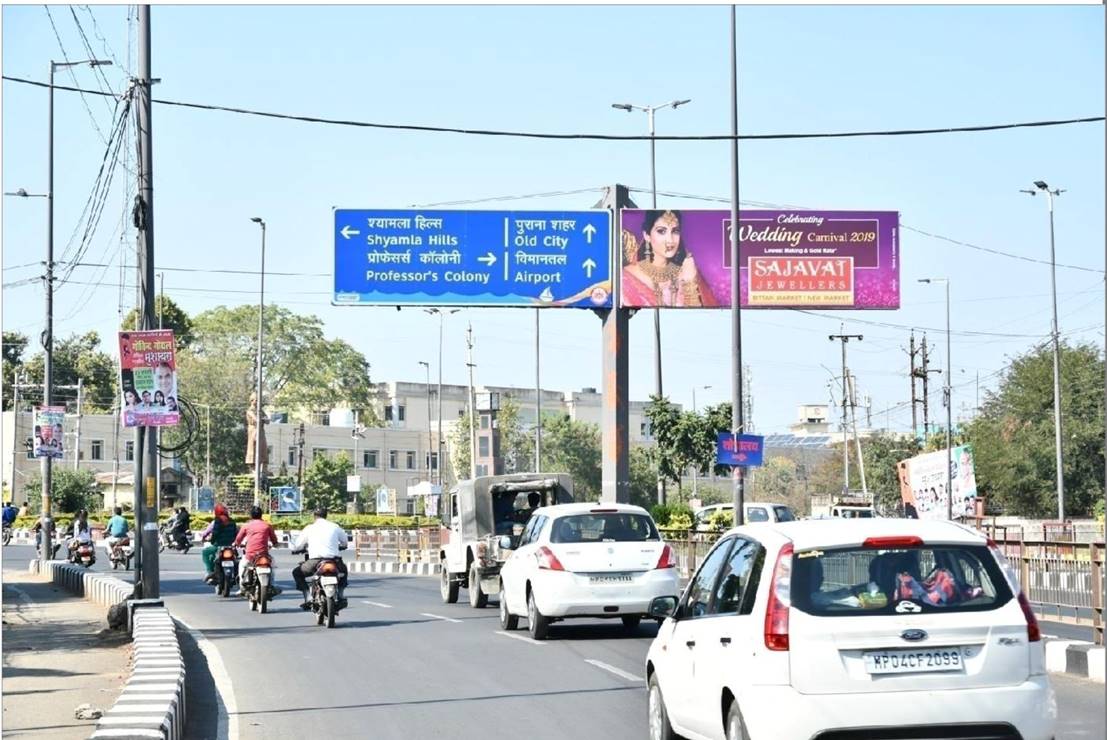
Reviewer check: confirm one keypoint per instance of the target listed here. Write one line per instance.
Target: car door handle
(724, 641)
(690, 643)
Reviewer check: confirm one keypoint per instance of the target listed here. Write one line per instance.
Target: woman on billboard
(660, 271)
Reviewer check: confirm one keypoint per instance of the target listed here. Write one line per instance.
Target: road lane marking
(438, 616)
(612, 669)
(520, 637)
(377, 603)
(227, 707)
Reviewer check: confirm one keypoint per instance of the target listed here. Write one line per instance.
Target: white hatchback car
(863, 628)
(585, 560)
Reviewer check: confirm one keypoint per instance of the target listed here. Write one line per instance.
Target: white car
(863, 628)
(755, 512)
(585, 560)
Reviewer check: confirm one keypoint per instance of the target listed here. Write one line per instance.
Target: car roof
(585, 508)
(744, 503)
(810, 533)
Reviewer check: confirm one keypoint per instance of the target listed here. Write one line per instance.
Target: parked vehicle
(755, 512)
(323, 592)
(83, 554)
(585, 560)
(226, 570)
(121, 554)
(178, 542)
(875, 628)
(257, 583)
(478, 513)
(838, 506)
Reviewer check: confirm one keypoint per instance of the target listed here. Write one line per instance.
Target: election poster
(148, 364)
(923, 484)
(786, 259)
(49, 440)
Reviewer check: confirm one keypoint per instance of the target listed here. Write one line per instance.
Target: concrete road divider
(1076, 658)
(406, 569)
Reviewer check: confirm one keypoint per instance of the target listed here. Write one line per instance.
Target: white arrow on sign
(589, 265)
(489, 259)
(348, 232)
(589, 232)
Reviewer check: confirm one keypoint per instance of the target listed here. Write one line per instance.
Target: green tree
(70, 490)
(171, 317)
(79, 356)
(1013, 437)
(573, 447)
(516, 443)
(643, 477)
(325, 482)
(14, 345)
(685, 440)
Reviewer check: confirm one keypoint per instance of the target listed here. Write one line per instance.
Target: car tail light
(1033, 632)
(328, 568)
(262, 561)
(547, 560)
(780, 599)
(667, 559)
(887, 543)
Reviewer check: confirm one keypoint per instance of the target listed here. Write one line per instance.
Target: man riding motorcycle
(179, 527)
(117, 528)
(322, 540)
(222, 531)
(258, 534)
(78, 531)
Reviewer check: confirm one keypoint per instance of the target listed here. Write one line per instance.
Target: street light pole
(947, 393)
(1056, 334)
(430, 432)
(695, 470)
(650, 110)
(260, 433)
(441, 332)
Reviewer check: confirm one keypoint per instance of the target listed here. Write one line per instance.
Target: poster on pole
(49, 440)
(922, 481)
(285, 500)
(148, 367)
(353, 484)
(787, 259)
(386, 500)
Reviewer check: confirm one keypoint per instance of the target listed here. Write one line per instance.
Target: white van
(755, 512)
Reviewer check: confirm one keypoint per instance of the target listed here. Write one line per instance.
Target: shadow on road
(201, 699)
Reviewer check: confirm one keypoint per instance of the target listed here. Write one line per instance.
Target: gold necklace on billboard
(665, 275)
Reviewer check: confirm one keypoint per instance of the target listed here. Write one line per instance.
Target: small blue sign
(739, 450)
(472, 258)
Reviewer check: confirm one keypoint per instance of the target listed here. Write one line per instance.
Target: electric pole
(300, 458)
(472, 408)
(77, 444)
(844, 339)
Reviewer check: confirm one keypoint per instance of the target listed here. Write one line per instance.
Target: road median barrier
(1075, 657)
(391, 568)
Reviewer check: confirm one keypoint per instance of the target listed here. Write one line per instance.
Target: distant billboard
(49, 439)
(922, 481)
(787, 259)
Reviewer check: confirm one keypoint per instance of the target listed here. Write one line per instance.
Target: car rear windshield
(783, 514)
(756, 514)
(925, 579)
(606, 527)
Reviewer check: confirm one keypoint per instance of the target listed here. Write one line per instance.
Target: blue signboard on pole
(472, 258)
(739, 450)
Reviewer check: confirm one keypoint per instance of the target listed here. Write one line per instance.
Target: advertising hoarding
(787, 259)
(49, 439)
(922, 481)
(148, 364)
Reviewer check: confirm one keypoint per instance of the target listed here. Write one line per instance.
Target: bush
(1097, 510)
(722, 520)
(663, 514)
(680, 520)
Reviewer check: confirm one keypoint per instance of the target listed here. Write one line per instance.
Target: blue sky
(558, 69)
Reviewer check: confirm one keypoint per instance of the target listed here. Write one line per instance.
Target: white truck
(853, 505)
(480, 511)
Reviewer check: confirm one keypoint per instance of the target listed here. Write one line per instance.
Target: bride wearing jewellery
(660, 271)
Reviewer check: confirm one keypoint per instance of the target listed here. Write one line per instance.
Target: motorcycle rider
(117, 528)
(322, 540)
(10, 513)
(37, 529)
(222, 531)
(258, 534)
(78, 531)
(178, 527)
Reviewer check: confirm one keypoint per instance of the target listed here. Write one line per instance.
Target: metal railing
(398, 545)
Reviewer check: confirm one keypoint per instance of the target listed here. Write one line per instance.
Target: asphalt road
(401, 664)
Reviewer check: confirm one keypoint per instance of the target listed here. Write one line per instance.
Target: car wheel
(660, 728)
(735, 725)
(538, 624)
(478, 599)
(448, 586)
(630, 623)
(508, 621)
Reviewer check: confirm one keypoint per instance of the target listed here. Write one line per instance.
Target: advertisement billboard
(148, 364)
(922, 482)
(787, 259)
(285, 500)
(49, 439)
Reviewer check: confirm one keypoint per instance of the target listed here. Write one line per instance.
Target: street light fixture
(947, 392)
(257, 407)
(649, 110)
(22, 193)
(1056, 333)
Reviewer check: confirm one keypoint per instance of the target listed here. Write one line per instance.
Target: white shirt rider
(323, 539)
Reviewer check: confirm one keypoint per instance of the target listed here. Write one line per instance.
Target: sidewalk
(57, 655)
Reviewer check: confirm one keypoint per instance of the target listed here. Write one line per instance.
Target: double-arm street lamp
(259, 420)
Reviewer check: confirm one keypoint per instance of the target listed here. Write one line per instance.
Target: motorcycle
(55, 545)
(7, 534)
(121, 553)
(83, 554)
(323, 590)
(226, 570)
(167, 539)
(257, 583)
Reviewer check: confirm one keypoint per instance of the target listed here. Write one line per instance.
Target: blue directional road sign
(739, 450)
(472, 258)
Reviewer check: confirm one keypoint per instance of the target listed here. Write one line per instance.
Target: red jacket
(258, 534)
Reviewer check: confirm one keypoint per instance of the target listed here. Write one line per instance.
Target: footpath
(58, 654)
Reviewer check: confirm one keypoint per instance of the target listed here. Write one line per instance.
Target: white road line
(524, 638)
(377, 603)
(227, 723)
(437, 616)
(612, 669)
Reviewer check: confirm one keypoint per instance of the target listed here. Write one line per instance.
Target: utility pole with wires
(844, 339)
(472, 407)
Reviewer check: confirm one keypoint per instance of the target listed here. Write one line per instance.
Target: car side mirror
(505, 542)
(663, 607)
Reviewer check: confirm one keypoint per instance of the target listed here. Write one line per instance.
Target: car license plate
(914, 661)
(264, 570)
(612, 578)
(329, 580)
(228, 566)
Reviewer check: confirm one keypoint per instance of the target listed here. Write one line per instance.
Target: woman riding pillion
(222, 532)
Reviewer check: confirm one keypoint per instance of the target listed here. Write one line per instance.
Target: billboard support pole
(615, 412)
(737, 420)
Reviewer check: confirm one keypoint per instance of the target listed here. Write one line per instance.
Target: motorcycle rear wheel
(263, 598)
(330, 611)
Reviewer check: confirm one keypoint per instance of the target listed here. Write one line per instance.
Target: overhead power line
(590, 137)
